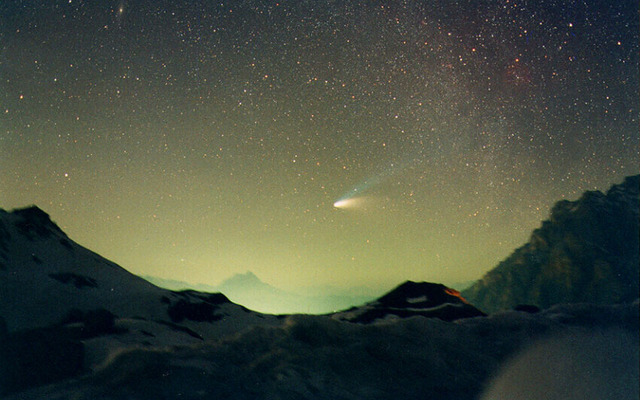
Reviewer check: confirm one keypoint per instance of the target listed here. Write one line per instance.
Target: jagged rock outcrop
(587, 251)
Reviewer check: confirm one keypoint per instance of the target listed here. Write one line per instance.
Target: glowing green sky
(193, 140)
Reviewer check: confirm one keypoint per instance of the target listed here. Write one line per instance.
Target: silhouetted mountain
(431, 300)
(248, 279)
(247, 289)
(587, 251)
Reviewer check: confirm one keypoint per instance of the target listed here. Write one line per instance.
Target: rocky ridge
(587, 251)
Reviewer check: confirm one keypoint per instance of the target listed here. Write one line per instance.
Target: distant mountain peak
(249, 276)
(247, 279)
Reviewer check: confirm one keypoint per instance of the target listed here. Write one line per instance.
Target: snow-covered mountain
(45, 277)
(51, 287)
(587, 251)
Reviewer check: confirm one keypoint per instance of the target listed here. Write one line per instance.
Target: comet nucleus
(341, 203)
(346, 203)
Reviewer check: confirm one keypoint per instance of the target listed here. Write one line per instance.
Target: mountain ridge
(586, 251)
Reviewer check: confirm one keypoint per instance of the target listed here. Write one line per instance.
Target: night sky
(313, 142)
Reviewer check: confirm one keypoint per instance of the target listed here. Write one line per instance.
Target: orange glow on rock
(455, 293)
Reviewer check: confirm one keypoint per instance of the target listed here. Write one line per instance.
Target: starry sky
(346, 143)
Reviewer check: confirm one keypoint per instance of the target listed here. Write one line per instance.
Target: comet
(356, 196)
(345, 203)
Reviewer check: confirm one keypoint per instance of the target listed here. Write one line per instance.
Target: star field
(195, 140)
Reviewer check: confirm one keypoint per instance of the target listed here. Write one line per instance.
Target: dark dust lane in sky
(194, 140)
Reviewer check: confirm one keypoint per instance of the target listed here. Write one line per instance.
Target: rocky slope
(587, 251)
(431, 300)
(569, 352)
